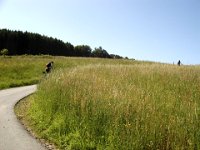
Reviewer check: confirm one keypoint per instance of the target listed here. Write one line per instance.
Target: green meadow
(21, 70)
(27, 70)
(108, 104)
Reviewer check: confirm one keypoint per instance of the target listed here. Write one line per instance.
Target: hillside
(118, 105)
(27, 69)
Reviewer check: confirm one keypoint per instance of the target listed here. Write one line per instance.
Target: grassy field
(125, 105)
(21, 70)
(27, 70)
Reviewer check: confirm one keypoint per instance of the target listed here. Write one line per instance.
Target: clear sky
(155, 30)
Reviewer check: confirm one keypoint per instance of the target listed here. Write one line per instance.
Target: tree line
(20, 43)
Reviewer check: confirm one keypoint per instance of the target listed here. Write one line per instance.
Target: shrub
(4, 52)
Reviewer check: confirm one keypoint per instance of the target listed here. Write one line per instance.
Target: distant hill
(20, 43)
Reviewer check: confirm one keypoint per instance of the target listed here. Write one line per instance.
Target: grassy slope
(120, 105)
(26, 70)
(21, 70)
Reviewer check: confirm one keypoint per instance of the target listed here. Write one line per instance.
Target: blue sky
(155, 30)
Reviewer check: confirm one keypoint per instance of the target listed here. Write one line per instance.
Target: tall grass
(26, 70)
(136, 106)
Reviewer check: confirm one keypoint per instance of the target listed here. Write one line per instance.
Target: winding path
(13, 136)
